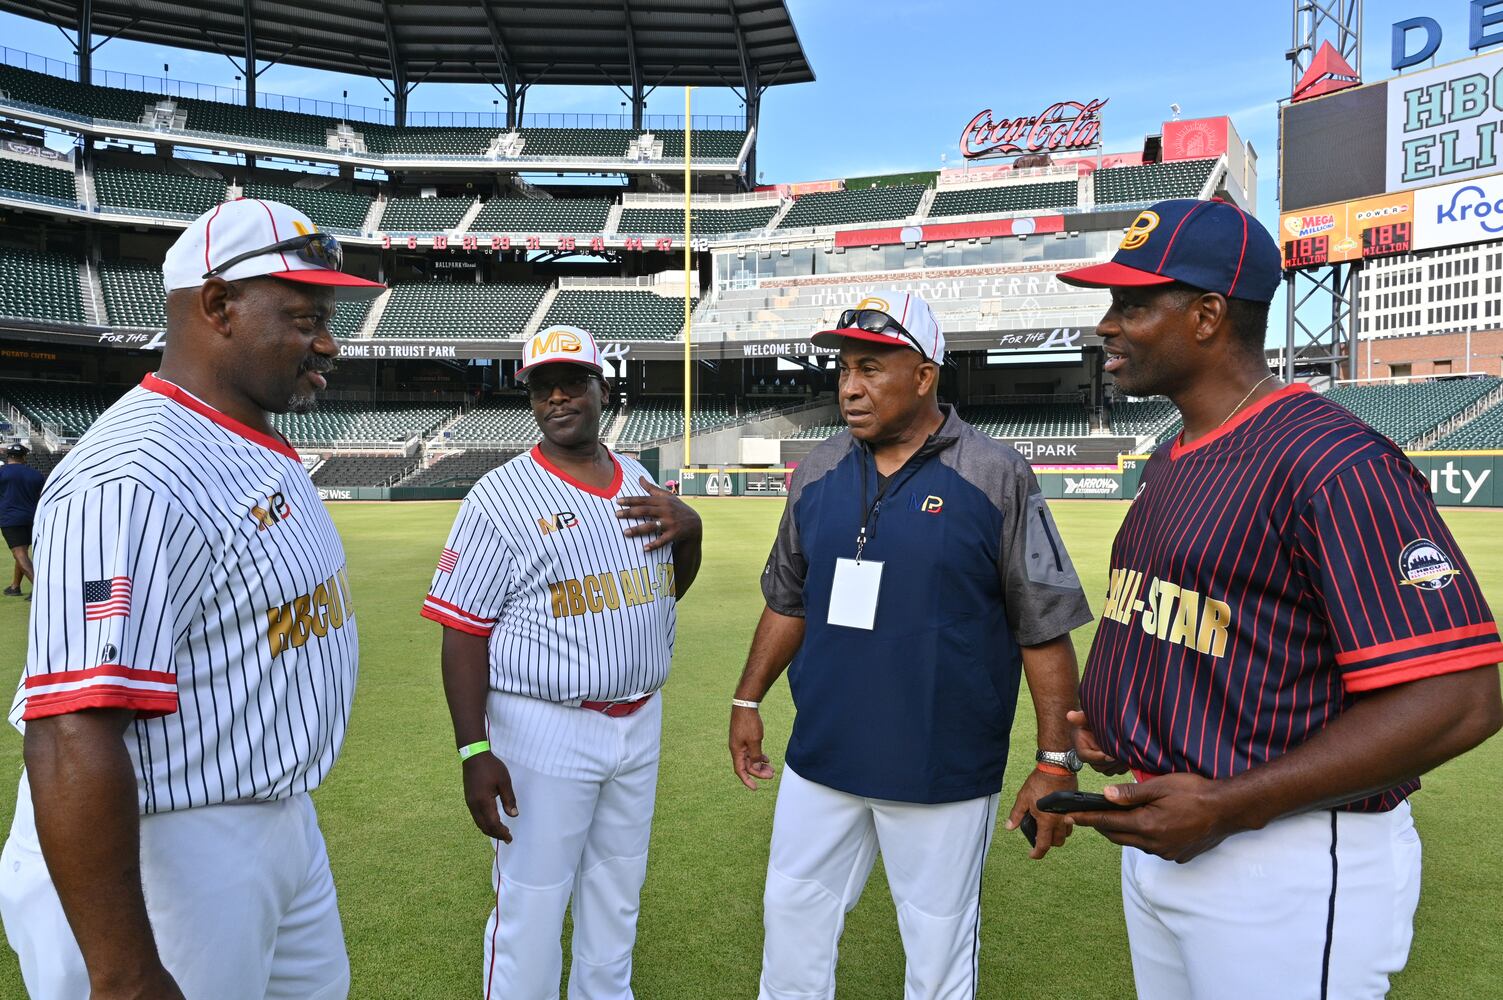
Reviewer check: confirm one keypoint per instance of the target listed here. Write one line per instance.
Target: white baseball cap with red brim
(560, 343)
(906, 310)
(252, 238)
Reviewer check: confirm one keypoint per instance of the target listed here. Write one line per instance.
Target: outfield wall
(1457, 479)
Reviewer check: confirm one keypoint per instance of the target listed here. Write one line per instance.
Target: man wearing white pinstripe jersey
(559, 625)
(193, 653)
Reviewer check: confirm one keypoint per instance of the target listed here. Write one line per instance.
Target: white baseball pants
(824, 843)
(240, 899)
(585, 786)
(1311, 907)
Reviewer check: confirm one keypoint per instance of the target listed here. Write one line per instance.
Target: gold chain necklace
(1244, 400)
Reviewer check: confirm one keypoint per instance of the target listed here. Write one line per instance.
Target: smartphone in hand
(1074, 801)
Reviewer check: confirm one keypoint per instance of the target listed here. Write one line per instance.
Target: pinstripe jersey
(574, 610)
(1266, 576)
(186, 569)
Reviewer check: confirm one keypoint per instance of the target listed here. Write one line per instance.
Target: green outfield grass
(413, 873)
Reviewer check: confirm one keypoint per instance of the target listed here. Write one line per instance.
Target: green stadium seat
(1483, 432)
(463, 312)
(38, 181)
(652, 419)
(705, 221)
(460, 469)
(1007, 198)
(558, 215)
(423, 215)
(67, 408)
(363, 470)
(133, 294)
(618, 314)
(338, 211)
(160, 193)
(1406, 412)
(836, 208)
(39, 286)
(1152, 182)
(1006, 420)
(346, 422)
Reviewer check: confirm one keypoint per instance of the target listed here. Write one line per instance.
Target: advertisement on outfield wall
(1336, 230)
(1464, 212)
(1443, 123)
(1462, 479)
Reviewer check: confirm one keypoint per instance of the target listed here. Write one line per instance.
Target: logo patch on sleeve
(1423, 564)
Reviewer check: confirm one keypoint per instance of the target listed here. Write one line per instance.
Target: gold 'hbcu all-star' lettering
(318, 613)
(596, 593)
(1168, 611)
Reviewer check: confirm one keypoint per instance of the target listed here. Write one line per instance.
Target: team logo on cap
(303, 230)
(1142, 227)
(556, 341)
(872, 302)
(1423, 564)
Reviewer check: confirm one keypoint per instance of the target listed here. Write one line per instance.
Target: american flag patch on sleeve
(448, 560)
(106, 599)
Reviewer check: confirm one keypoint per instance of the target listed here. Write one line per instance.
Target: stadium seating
(423, 215)
(462, 468)
(617, 314)
(704, 221)
(607, 142)
(1003, 420)
(339, 211)
(349, 317)
(37, 182)
(53, 93)
(133, 294)
(480, 312)
(1008, 198)
(426, 141)
(652, 419)
(559, 215)
(347, 422)
(501, 419)
(66, 407)
(363, 470)
(159, 193)
(1152, 181)
(1142, 417)
(708, 144)
(39, 286)
(816, 432)
(279, 128)
(1407, 412)
(1481, 432)
(835, 208)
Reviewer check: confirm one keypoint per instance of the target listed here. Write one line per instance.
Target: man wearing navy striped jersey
(558, 590)
(1289, 639)
(193, 653)
(916, 575)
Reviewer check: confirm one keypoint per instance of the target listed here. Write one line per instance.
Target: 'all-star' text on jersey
(187, 570)
(1266, 576)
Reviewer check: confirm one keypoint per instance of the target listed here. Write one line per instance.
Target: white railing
(753, 199)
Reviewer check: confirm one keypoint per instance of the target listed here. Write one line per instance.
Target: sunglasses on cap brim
(877, 321)
(318, 249)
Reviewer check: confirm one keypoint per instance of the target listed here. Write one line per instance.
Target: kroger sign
(1465, 212)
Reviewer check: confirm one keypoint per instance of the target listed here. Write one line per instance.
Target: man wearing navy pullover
(915, 576)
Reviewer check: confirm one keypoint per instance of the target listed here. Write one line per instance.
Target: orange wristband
(1063, 772)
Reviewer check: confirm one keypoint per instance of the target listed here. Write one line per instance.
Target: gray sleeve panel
(1039, 584)
(783, 576)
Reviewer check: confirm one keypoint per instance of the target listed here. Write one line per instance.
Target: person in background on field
(20, 488)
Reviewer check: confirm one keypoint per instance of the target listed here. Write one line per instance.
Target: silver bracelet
(743, 703)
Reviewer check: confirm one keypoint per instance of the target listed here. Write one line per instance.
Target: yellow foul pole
(688, 291)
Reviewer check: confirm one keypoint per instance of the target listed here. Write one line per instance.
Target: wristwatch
(1066, 759)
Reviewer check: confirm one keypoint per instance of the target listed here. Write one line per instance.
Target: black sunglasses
(320, 249)
(877, 321)
(573, 386)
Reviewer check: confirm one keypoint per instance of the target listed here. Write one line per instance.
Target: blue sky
(899, 79)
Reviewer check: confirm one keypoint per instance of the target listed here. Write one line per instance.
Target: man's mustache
(316, 363)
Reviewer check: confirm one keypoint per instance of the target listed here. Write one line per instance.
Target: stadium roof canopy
(512, 44)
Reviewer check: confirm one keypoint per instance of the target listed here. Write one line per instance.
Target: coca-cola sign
(1062, 127)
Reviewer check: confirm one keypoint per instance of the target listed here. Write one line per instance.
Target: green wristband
(465, 753)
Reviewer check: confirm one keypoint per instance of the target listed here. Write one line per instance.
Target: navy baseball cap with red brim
(1211, 245)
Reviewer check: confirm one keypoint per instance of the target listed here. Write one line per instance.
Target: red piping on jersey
(146, 704)
(607, 493)
(1417, 642)
(449, 621)
(456, 608)
(1180, 448)
(1450, 662)
(103, 670)
(184, 398)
